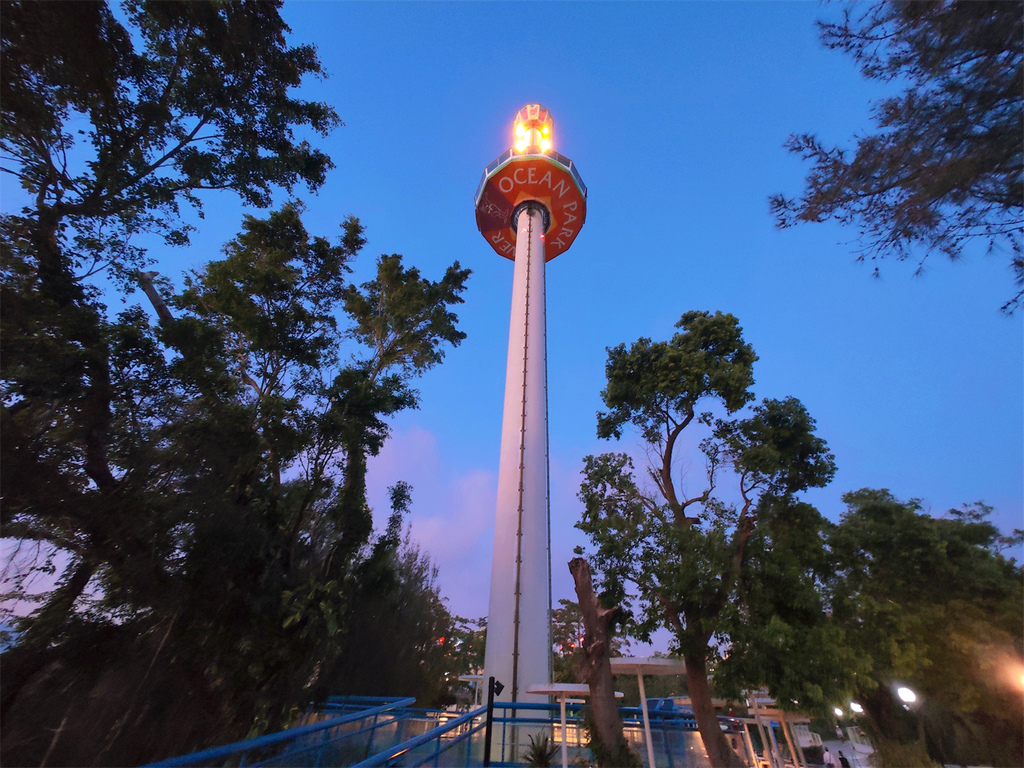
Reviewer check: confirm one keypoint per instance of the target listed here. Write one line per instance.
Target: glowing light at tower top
(533, 129)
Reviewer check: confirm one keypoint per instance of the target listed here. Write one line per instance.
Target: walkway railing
(458, 742)
(342, 740)
(393, 734)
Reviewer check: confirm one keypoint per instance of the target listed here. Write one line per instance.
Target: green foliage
(775, 449)
(398, 310)
(652, 382)
(109, 128)
(733, 582)
(944, 165)
(540, 752)
(222, 505)
(931, 604)
(204, 480)
(400, 635)
(894, 755)
(567, 631)
(464, 655)
(778, 623)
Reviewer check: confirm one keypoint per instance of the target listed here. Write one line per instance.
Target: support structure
(522, 555)
(530, 206)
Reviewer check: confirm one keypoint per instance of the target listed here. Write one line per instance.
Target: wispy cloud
(452, 516)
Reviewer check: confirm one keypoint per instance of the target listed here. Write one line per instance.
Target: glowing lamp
(533, 129)
(855, 707)
(838, 711)
(906, 695)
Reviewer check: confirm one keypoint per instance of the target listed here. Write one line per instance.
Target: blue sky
(675, 114)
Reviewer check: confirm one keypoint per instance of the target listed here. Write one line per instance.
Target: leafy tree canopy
(227, 545)
(930, 603)
(945, 163)
(730, 579)
(204, 479)
(112, 119)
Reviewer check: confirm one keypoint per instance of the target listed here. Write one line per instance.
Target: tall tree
(204, 479)
(608, 744)
(931, 604)
(687, 559)
(228, 556)
(108, 127)
(945, 165)
(399, 637)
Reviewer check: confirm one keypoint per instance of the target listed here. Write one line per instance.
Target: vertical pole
(565, 752)
(776, 752)
(647, 717)
(489, 722)
(794, 747)
(518, 647)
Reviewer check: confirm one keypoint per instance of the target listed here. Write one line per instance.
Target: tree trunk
(595, 669)
(720, 754)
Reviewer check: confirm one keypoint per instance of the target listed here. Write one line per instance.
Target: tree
(567, 636)
(608, 744)
(204, 478)
(929, 603)
(108, 128)
(401, 636)
(567, 631)
(230, 550)
(945, 165)
(733, 582)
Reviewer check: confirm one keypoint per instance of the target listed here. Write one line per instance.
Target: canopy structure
(476, 682)
(563, 691)
(646, 665)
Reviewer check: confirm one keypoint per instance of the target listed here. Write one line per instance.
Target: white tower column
(518, 648)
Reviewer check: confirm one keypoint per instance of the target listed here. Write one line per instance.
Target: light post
(909, 698)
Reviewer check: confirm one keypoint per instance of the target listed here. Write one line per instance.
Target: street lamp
(856, 708)
(838, 711)
(908, 697)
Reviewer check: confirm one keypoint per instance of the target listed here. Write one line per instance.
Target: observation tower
(530, 205)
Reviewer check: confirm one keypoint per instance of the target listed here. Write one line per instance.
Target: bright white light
(907, 695)
(856, 707)
(838, 711)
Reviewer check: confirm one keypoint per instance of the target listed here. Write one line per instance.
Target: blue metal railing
(326, 742)
(394, 734)
(447, 744)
